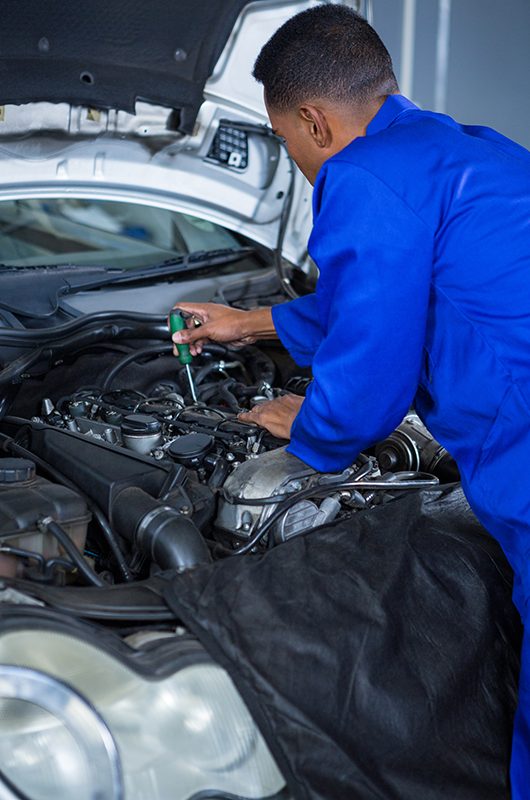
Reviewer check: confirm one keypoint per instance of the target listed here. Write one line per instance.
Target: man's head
(325, 74)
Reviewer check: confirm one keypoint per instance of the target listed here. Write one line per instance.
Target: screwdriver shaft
(190, 381)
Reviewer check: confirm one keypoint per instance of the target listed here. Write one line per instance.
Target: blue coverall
(422, 238)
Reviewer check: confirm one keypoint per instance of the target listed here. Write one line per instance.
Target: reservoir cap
(190, 447)
(140, 425)
(16, 470)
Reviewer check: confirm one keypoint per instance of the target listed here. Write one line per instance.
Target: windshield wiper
(37, 292)
(183, 263)
(172, 266)
(111, 274)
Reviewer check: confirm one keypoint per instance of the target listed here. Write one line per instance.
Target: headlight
(52, 743)
(178, 738)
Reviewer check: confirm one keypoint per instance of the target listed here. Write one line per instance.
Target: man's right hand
(223, 324)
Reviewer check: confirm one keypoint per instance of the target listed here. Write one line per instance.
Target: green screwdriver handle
(176, 323)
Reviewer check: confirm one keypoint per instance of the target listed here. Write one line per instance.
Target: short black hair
(328, 51)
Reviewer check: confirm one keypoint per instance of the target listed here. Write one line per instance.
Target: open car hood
(112, 53)
(135, 102)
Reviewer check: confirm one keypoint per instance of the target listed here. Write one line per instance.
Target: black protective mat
(378, 656)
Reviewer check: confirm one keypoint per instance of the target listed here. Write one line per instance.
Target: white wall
(488, 58)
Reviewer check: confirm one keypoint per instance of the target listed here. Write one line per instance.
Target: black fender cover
(378, 655)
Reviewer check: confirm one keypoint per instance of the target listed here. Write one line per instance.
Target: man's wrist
(258, 324)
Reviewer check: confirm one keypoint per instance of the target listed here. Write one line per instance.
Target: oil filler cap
(16, 470)
(190, 448)
(140, 425)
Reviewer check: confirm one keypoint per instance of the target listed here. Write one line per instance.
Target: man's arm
(298, 326)
(375, 259)
(223, 324)
(296, 323)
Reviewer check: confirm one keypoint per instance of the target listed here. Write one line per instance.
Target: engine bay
(113, 473)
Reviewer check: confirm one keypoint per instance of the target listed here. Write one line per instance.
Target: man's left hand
(277, 415)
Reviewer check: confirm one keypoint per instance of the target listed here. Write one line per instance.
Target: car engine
(112, 472)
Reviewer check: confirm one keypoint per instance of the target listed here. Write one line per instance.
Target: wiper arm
(171, 266)
(36, 292)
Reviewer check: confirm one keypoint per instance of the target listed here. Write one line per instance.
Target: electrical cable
(134, 356)
(311, 492)
(11, 374)
(271, 500)
(378, 485)
(265, 130)
(48, 335)
(285, 282)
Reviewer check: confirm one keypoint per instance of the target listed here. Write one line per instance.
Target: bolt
(246, 521)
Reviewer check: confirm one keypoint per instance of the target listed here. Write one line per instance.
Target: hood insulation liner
(110, 53)
(379, 656)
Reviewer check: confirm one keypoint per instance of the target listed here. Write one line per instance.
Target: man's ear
(317, 125)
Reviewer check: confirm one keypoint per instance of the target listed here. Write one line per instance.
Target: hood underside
(112, 53)
(141, 103)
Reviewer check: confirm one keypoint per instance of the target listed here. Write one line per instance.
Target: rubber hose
(53, 527)
(170, 539)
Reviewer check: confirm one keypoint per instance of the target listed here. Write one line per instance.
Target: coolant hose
(171, 540)
(87, 574)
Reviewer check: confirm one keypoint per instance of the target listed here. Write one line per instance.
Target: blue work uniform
(422, 238)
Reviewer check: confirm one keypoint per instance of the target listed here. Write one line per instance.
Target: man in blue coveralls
(422, 238)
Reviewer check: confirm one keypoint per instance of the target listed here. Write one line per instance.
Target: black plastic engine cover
(100, 470)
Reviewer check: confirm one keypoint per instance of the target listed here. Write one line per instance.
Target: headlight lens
(52, 743)
(186, 735)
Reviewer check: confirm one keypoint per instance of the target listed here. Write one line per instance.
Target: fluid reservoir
(24, 499)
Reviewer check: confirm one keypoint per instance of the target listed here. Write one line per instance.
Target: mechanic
(421, 234)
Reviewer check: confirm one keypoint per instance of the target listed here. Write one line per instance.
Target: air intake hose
(171, 540)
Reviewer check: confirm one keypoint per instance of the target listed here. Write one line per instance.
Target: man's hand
(277, 415)
(223, 324)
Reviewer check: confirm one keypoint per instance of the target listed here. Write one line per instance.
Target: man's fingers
(258, 412)
(195, 347)
(276, 415)
(248, 416)
(219, 324)
(198, 310)
(189, 335)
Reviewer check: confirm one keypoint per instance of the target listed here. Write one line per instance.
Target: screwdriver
(177, 323)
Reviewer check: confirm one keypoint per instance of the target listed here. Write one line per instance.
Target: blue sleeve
(375, 260)
(298, 327)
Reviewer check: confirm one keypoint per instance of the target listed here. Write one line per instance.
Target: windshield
(101, 232)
